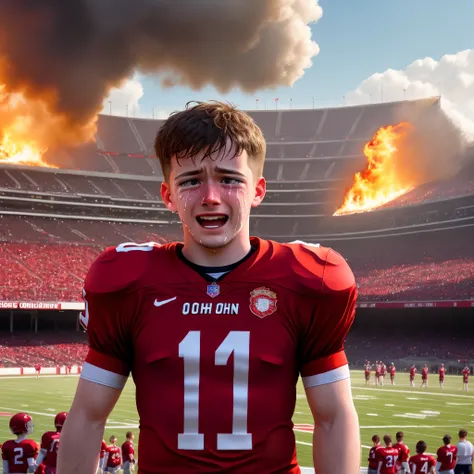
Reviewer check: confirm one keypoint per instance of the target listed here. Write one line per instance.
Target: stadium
(412, 258)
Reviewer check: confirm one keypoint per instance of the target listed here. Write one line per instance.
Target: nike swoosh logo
(161, 303)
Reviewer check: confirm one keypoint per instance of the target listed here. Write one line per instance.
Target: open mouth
(212, 221)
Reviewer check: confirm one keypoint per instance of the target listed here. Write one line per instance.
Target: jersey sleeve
(112, 301)
(326, 324)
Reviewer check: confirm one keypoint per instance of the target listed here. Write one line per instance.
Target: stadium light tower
(404, 94)
(276, 103)
(110, 107)
(256, 103)
(313, 101)
(291, 103)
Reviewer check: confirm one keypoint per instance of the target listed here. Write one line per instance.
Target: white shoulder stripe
(341, 373)
(95, 374)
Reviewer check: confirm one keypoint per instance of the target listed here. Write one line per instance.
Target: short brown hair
(376, 438)
(399, 435)
(462, 433)
(128, 434)
(387, 439)
(421, 446)
(209, 127)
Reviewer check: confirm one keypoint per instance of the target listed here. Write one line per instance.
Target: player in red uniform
(367, 372)
(393, 371)
(50, 444)
(412, 375)
(377, 372)
(37, 369)
(424, 376)
(387, 457)
(465, 378)
(403, 454)
(442, 372)
(113, 457)
(216, 330)
(422, 463)
(103, 449)
(447, 456)
(128, 454)
(19, 455)
(373, 461)
(383, 372)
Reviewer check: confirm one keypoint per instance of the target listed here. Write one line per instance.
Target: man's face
(213, 197)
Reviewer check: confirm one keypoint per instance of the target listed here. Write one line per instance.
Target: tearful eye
(231, 181)
(188, 183)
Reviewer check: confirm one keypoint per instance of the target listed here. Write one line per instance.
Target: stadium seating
(48, 349)
(418, 267)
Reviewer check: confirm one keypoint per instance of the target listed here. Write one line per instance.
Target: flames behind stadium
(380, 182)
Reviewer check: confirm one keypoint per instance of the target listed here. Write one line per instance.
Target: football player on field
(128, 454)
(113, 457)
(447, 456)
(387, 457)
(424, 376)
(465, 378)
(412, 375)
(442, 372)
(50, 444)
(403, 454)
(216, 330)
(422, 463)
(19, 455)
(373, 461)
(393, 371)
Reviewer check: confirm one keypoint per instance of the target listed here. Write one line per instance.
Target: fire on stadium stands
(379, 183)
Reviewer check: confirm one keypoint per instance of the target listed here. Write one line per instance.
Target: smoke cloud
(452, 78)
(70, 54)
(435, 148)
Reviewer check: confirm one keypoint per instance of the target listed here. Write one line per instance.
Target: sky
(357, 39)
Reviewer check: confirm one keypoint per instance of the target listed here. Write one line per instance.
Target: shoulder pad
(320, 268)
(117, 268)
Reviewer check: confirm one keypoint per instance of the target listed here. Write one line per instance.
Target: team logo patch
(213, 290)
(263, 302)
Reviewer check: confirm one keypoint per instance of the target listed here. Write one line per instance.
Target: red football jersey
(421, 464)
(465, 375)
(392, 371)
(128, 451)
(50, 442)
(447, 457)
(113, 456)
(403, 453)
(412, 372)
(442, 372)
(17, 454)
(103, 448)
(424, 373)
(388, 456)
(216, 364)
(373, 461)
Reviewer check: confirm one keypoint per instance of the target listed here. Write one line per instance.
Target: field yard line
(20, 377)
(418, 392)
(401, 427)
(16, 410)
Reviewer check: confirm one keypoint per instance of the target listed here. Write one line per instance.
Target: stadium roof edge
(432, 99)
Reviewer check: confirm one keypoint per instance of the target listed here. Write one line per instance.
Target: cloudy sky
(369, 50)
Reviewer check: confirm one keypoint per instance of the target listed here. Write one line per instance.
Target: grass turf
(426, 413)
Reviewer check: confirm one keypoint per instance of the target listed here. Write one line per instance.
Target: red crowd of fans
(49, 355)
(42, 272)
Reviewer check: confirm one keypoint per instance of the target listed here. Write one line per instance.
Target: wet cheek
(185, 201)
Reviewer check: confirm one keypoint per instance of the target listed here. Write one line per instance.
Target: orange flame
(20, 152)
(379, 183)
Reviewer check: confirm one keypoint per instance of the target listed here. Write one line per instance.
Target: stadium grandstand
(413, 258)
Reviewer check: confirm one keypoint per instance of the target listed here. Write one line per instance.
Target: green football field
(421, 413)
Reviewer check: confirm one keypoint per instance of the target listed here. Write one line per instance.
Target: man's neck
(216, 257)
